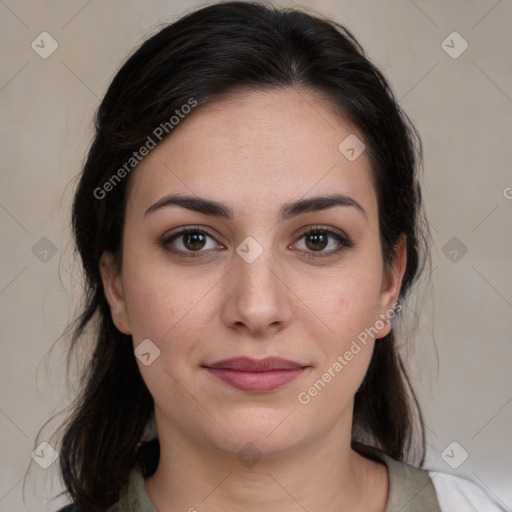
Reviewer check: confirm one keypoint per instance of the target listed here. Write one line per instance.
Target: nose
(257, 297)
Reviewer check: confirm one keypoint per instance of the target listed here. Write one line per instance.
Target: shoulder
(459, 493)
(413, 488)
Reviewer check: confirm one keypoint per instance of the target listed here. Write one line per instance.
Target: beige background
(463, 110)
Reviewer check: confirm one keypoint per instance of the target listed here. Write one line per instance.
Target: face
(255, 277)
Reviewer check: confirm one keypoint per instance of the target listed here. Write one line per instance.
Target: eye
(190, 242)
(318, 239)
(195, 242)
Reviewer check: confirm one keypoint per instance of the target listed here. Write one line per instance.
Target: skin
(254, 152)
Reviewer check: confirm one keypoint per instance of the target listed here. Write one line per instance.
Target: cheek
(346, 301)
(160, 297)
(175, 309)
(346, 308)
(171, 311)
(349, 308)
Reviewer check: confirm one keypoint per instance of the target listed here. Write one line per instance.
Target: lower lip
(256, 381)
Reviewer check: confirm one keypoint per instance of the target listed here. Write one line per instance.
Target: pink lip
(256, 375)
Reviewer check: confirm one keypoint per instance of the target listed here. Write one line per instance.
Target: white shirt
(458, 494)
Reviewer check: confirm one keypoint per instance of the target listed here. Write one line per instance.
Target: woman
(250, 223)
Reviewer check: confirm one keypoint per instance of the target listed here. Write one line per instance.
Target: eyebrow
(287, 211)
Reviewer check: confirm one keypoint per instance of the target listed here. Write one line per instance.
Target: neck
(322, 475)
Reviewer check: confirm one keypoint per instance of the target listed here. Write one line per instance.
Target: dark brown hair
(210, 52)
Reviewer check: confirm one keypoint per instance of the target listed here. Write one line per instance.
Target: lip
(247, 364)
(256, 375)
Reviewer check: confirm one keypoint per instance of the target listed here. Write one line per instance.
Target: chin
(269, 437)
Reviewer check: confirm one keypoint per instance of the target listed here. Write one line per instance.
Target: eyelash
(344, 242)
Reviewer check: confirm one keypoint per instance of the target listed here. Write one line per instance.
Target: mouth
(256, 375)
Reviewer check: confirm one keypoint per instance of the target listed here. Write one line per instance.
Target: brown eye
(194, 241)
(317, 240)
(190, 242)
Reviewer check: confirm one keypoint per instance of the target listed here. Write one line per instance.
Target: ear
(391, 284)
(113, 287)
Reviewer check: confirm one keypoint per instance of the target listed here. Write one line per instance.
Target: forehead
(275, 145)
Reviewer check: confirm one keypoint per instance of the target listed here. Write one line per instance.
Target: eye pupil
(316, 239)
(194, 241)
